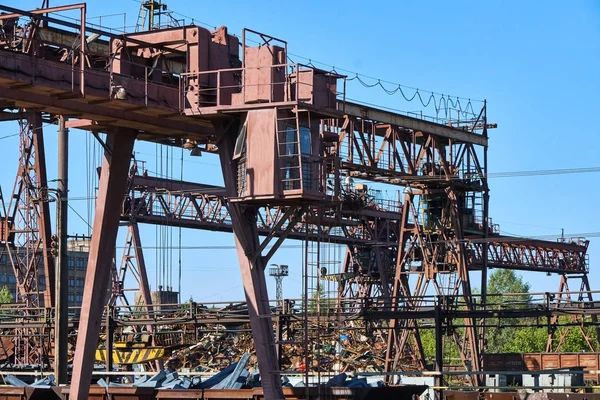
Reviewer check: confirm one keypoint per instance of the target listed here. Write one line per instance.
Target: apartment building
(78, 251)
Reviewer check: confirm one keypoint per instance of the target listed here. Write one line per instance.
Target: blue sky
(536, 63)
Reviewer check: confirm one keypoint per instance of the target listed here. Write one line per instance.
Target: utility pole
(62, 272)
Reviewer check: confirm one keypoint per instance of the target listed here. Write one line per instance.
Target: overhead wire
(450, 102)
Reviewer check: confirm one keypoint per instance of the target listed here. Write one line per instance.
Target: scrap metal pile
(329, 350)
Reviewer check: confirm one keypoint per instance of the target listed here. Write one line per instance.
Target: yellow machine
(134, 353)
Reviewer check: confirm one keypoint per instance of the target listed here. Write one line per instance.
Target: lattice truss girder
(392, 154)
(528, 254)
(193, 209)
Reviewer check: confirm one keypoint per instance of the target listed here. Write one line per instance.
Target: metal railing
(280, 83)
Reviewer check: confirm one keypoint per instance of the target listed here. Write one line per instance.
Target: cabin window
(290, 141)
(240, 142)
(305, 140)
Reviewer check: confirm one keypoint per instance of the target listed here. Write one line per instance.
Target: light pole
(279, 272)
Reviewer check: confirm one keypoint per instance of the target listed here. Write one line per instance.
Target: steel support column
(245, 232)
(111, 191)
(141, 263)
(61, 331)
(439, 347)
(486, 234)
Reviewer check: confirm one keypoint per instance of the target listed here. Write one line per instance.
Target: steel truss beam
(416, 124)
(531, 255)
(161, 202)
(383, 152)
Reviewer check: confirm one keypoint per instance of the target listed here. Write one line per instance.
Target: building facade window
(3, 278)
(80, 264)
(12, 279)
(3, 258)
(80, 282)
(71, 282)
(71, 263)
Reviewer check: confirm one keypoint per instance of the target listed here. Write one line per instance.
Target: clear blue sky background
(537, 64)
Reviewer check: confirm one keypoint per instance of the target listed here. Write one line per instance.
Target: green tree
(527, 340)
(5, 296)
(501, 283)
(449, 351)
(575, 341)
(530, 338)
(319, 301)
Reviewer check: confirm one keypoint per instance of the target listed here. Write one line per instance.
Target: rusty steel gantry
(288, 143)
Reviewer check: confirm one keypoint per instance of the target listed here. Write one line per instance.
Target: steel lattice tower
(279, 272)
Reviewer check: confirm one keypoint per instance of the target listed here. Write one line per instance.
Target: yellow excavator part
(134, 355)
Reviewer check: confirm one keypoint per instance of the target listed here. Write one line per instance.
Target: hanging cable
(429, 98)
(179, 247)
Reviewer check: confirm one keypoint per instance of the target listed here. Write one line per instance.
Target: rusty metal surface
(133, 393)
(460, 395)
(96, 392)
(418, 125)
(111, 190)
(463, 395)
(293, 393)
(403, 253)
(253, 278)
(543, 361)
(26, 393)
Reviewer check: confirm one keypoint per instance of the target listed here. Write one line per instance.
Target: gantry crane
(287, 139)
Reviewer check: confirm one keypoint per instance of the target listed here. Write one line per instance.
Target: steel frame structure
(432, 239)
(25, 226)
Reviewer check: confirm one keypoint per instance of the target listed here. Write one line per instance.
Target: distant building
(78, 252)
(162, 300)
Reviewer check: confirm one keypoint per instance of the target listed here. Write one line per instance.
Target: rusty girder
(167, 202)
(382, 152)
(530, 254)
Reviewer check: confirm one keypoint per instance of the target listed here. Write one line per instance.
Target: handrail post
(82, 52)
(146, 86)
(218, 88)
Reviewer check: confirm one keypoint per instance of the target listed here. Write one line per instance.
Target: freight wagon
(543, 361)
